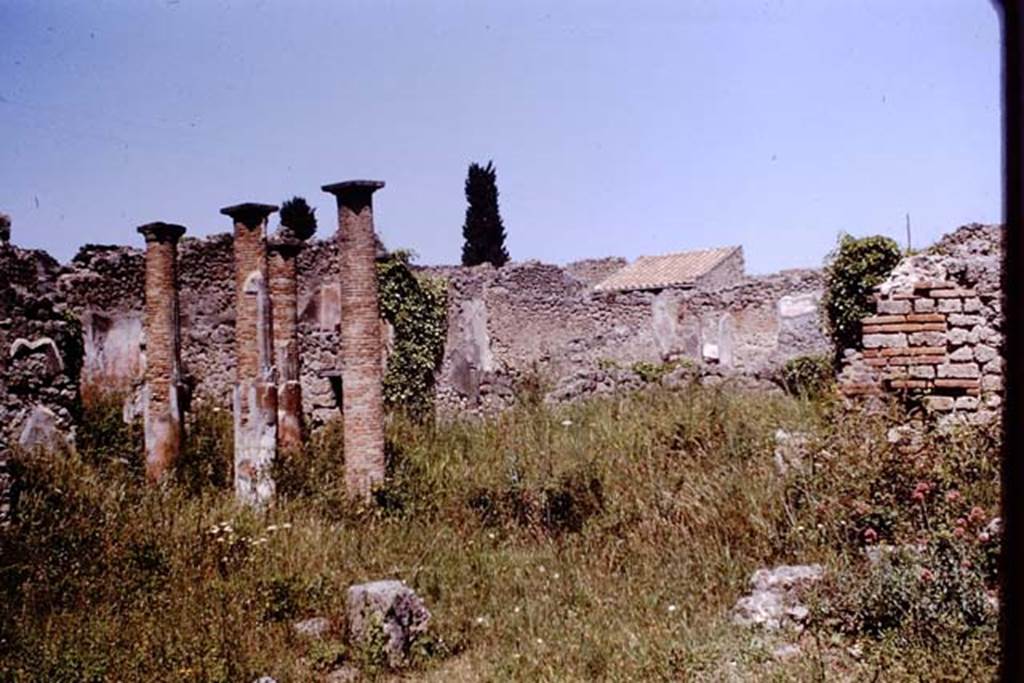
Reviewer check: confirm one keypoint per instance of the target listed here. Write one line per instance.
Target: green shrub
(104, 438)
(807, 376)
(417, 309)
(854, 268)
(207, 451)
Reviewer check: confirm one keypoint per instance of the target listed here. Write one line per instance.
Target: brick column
(162, 407)
(361, 367)
(255, 393)
(282, 254)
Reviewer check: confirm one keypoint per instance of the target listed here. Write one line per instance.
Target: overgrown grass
(600, 541)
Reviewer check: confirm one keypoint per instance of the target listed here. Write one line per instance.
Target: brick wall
(935, 336)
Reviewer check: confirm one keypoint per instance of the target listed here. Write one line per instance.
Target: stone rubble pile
(774, 601)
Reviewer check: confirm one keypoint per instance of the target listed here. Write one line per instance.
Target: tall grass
(600, 541)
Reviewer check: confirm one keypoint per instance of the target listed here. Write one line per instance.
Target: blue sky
(622, 128)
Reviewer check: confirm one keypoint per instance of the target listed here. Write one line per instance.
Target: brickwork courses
(282, 254)
(255, 393)
(161, 394)
(361, 341)
(936, 332)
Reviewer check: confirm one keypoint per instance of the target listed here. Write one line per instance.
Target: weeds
(604, 540)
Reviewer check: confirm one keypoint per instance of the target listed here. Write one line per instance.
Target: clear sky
(617, 128)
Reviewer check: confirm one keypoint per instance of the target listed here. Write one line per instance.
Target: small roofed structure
(683, 270)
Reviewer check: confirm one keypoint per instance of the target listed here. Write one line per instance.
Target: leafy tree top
(298, 218)
(483, 231)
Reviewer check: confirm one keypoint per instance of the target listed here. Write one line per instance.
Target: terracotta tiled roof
(669, 270)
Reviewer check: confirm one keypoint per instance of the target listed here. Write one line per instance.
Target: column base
(255, 407)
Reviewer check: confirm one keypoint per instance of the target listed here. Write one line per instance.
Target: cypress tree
(483, 230)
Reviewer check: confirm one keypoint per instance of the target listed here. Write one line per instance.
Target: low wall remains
(936, 334)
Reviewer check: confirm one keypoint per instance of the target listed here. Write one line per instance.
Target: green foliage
(855, 267)
(483, 231)
(807, 376)
(103, 436)
(651, 373)
(299, 218)
(417, 308)
(616, 535)
(205, 461)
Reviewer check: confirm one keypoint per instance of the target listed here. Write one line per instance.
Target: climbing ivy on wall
(417, 308)
(855, 267)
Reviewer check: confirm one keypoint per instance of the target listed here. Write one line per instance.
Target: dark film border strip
(1012, 569)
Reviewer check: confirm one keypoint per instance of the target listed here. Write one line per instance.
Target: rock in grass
(314, 628)
(388, 614)
(774, 600)
(346, 674)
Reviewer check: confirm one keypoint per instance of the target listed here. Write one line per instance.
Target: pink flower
(977, 515)
(952, 496)
(959, 532)
(870, 535)
(961, 522)
(983, 537)
(917, 497)
(926, 575)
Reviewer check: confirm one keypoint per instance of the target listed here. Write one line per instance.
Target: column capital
(353, 193)
(161, 232)
(249, 214)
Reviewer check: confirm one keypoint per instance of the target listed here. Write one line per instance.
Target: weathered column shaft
(162, 414)
(255, 393)
(282, 256)
(362, 371)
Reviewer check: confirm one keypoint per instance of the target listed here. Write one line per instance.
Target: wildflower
(926, 575)
(567, 423)
(491, 536)
(959, 532)
(976, 516)
(983, 537)
(516, 610)
(272, 528)
(540, 642)
(870, 535)
(557, 575)
(286, 525)
(480, 621)
(672, 608)
(541, 569)
(952, 496)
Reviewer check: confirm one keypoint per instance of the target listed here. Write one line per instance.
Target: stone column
(255, 393)
(161, 393)
(282, 254)
(361, 367)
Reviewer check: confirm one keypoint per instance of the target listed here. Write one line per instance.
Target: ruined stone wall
(40, 360)
(936, 337)
(503, 324)
(535, 318)
(40, 351)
